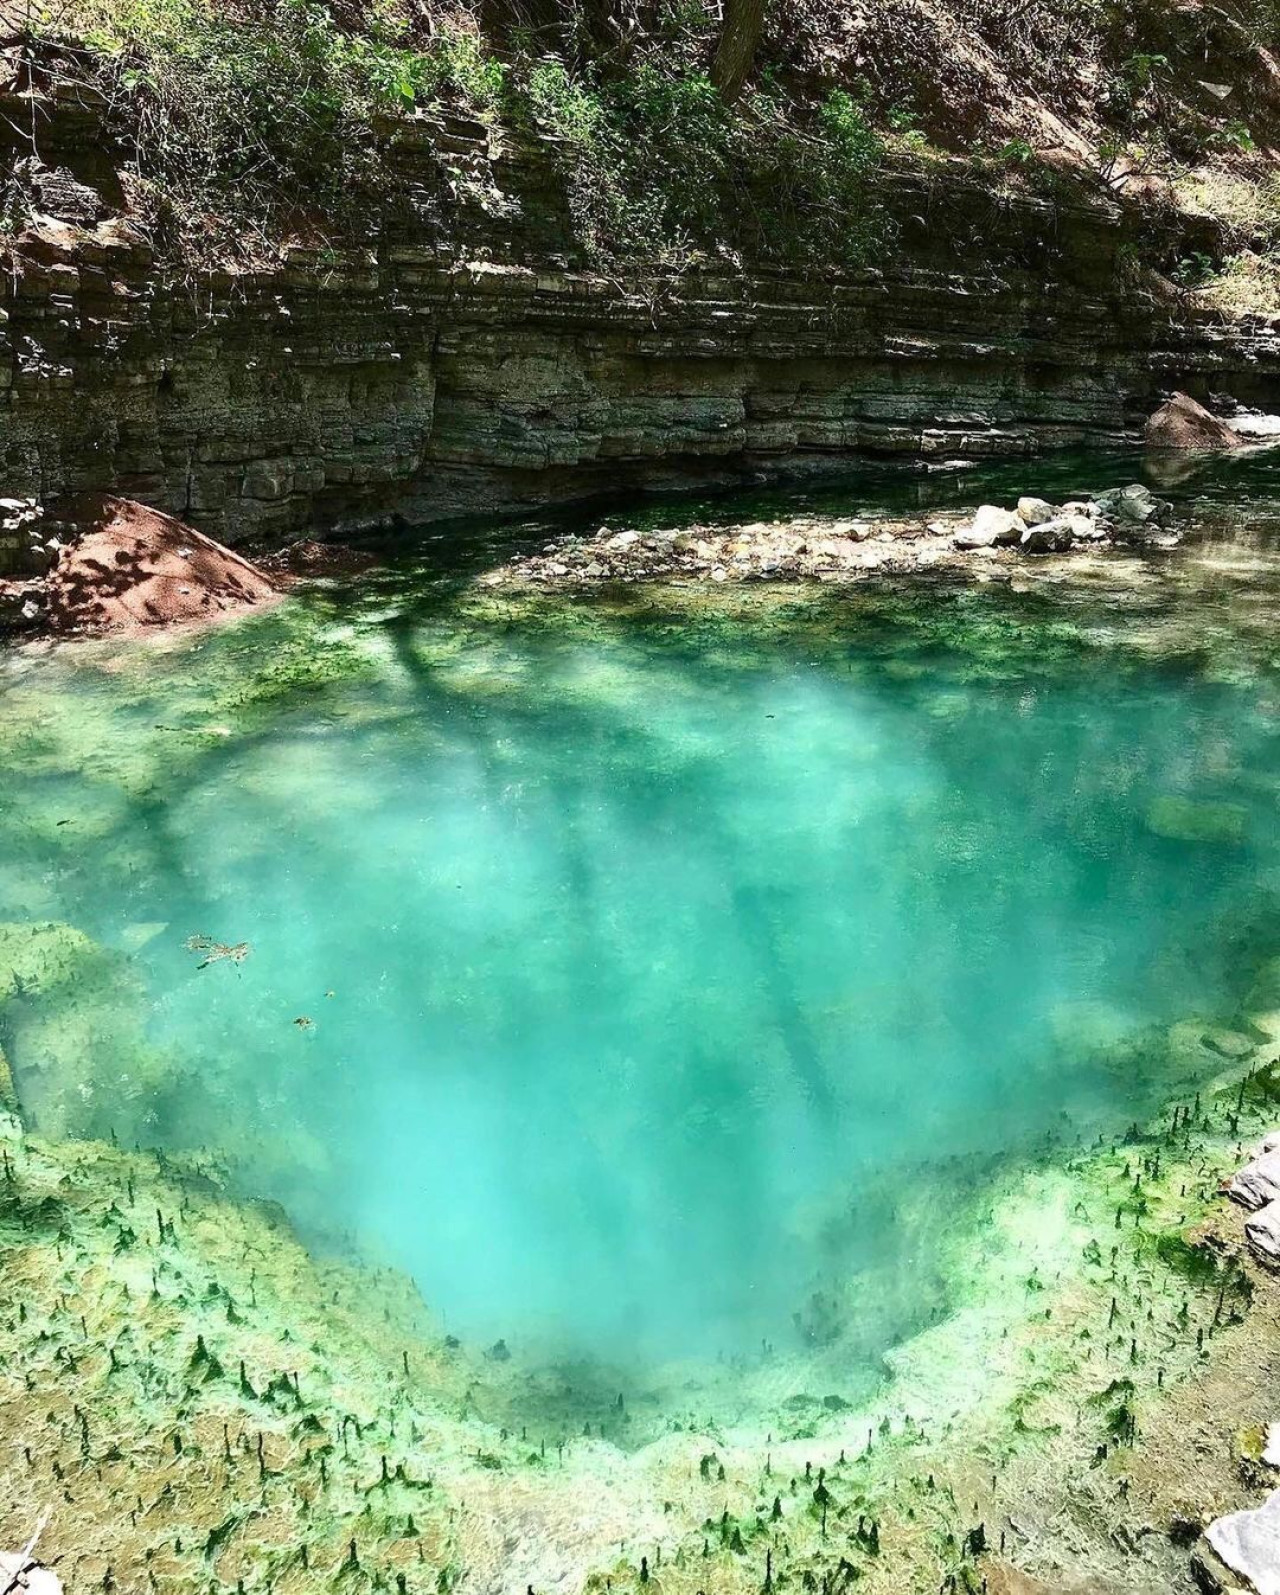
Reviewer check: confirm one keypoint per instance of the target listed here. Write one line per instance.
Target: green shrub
(656, 155)
(253, 122)
(239, 120)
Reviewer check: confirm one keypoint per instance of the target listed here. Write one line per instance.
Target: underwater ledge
(208, 1405)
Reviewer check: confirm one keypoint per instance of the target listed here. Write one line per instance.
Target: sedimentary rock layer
(430, 375)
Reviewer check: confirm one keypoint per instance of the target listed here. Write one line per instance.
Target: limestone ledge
(344, 389)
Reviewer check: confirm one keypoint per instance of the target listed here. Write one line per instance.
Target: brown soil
(126, 567)
(308, 559)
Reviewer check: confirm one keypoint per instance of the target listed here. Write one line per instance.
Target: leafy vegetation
(680, 129)
(660, 155)
(268, 120)
(235, 119)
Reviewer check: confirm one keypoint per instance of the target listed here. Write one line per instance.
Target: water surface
(649, 976)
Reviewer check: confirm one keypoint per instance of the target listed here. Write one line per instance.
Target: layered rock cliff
(440, 372)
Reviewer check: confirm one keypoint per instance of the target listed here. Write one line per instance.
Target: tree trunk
(739, 40)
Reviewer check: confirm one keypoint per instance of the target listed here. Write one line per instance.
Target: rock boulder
(1258, 1182)
(1262, 1232)
(1184, 424)
(1049, 537)
(24, 1576)
(1249, 1544)
(1135, 505)
(991, 527)
(1035, 511)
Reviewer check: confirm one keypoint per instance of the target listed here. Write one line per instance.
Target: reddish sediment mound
(125, 567)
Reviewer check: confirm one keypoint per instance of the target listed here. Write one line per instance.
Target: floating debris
(217, 950)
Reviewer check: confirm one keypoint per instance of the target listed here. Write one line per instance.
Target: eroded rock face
(338, 391)
(468, 360)
(26, 547)
(1183, 423)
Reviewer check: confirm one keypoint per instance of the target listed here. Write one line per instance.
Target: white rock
(34, 1580)
(991, 527)
(1086, 528)
(1249, 1544)
(1271, 1455)
(1257, 426)
(1035, 511)
(1258, 1182)
(1262, 1232)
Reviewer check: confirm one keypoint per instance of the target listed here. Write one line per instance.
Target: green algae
(213, 1396)
(1181, 820)
(1079, 1281)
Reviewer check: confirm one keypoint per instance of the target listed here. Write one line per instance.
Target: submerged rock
(1233, 1044)
(36, 959)
(1181, 819)
(1248, 1543)
(65, 998)
(1182, 423)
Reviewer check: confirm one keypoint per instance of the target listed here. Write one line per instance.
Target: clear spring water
(637, 976)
